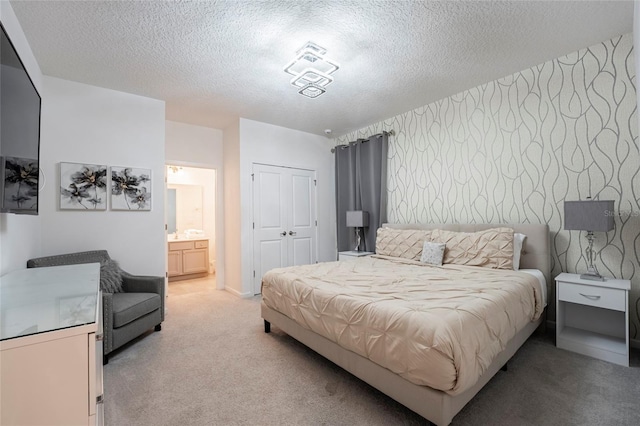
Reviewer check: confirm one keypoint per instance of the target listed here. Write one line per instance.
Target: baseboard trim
(237, 293)
(633, 343)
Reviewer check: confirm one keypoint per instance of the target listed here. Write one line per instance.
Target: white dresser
(592, 317)
(51, 346)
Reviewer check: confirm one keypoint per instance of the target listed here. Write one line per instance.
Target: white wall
(280, 146)
(19, 235)
(193, 145)
(88, 124)
(199, 213)
(197, 146)
(232, 210)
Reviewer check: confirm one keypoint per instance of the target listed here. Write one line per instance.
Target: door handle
(292, 233)
(283, 233)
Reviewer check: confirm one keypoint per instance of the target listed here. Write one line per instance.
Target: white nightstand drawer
(607, 298)
(592, 317)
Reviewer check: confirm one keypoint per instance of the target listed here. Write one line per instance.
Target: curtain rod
(388, 132)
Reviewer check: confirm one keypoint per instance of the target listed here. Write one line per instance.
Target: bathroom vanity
(188, 258)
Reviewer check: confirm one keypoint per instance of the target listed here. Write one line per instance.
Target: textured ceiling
(215, 61)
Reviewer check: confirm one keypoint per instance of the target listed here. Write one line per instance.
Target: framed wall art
(83, 186)
(130, 189)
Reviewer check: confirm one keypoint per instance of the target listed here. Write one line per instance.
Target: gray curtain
(361, 184)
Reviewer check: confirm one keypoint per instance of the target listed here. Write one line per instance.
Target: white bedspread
(434, 326)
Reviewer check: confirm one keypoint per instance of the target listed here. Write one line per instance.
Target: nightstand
(592, 317)
(350, 255)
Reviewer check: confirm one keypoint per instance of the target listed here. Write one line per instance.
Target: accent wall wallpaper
(512, 150)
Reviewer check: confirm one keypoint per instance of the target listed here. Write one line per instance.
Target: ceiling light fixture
(310, 75)
(312, 90)
(311, 71)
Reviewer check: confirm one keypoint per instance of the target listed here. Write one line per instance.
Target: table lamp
(357, 219)
(590, 216)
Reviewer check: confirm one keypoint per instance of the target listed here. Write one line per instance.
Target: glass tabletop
(38, 300)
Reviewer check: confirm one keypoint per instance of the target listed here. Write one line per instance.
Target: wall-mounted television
(20, 105)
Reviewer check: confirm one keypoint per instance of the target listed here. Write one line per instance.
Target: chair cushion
(128, 307)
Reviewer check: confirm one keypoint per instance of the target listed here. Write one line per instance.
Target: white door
(302, 220)
(284, 214)
(269, 221)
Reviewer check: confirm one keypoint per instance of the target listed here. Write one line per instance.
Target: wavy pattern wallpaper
(514, 149)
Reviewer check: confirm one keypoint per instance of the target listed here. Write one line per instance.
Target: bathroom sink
(186, 237)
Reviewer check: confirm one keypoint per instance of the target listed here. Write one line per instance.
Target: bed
(358, 314)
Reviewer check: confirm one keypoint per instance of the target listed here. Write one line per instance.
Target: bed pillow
(110, 277)
(518, 249)
(491, 248)
(404, 243)
(432, 253)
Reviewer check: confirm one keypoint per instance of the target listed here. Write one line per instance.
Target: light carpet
(212, 364)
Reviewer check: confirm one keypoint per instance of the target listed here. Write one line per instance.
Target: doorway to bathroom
(191, 215)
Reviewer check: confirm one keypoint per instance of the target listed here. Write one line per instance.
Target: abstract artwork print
(83, 186)
(130, 189)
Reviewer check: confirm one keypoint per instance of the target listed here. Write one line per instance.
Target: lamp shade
(357, 219)
(588, 215)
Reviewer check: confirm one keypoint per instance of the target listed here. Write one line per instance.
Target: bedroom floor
(212, 364)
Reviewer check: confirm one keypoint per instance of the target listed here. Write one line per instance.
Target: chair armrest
(107, 322)
(142, 284)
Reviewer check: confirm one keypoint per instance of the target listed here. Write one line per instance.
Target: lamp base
(592, 274)
(357, 247)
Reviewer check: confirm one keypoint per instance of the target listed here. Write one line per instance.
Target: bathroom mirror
(184, 208)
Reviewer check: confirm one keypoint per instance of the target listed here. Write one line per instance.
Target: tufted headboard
(536, 251)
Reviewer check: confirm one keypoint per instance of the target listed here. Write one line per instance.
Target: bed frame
(436, 406)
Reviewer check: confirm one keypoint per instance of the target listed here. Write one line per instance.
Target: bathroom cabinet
(188, 259)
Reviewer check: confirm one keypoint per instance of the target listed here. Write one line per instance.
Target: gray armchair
(126, 315)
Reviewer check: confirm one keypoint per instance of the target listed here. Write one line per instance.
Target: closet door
(284, 219)
(269, 221)
(302, 221)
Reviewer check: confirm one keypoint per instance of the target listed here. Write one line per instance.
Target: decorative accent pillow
(518, 249)
(432, 253)
(491, 248)
(110, 277)
(404, 243)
